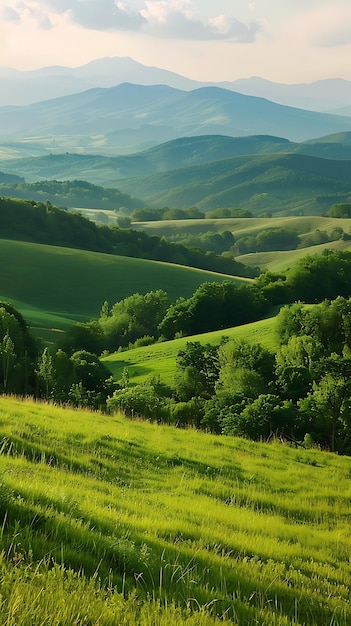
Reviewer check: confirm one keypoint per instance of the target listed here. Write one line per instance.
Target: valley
(175, 349)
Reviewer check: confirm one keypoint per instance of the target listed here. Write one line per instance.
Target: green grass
(282, 260)
(54, 286)
(160, 359)
(245, 226)
(108, 521)
(273, 261)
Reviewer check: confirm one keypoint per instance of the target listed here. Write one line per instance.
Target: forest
(301, 393)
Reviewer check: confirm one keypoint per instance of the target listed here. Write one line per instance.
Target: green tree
(46, 373)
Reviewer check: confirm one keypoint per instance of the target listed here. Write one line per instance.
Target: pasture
(109, 521)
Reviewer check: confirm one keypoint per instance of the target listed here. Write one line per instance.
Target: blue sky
(281, 40)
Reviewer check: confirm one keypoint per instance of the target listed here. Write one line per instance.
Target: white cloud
(174, 19)
(177, 20)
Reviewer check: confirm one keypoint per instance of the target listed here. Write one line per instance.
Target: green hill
(108, 521)
(168, 156)
(53, 287)
(160, 359)
(278, 183)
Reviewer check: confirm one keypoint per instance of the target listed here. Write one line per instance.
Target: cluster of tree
(70, 193)
(225, 213)
(132, 321)
(80, 379)
(217, 242)
(213, 306)
(44, 223)
(153, 215)
(268, 240)
(342, 209)
(318, 237)
(301, 394)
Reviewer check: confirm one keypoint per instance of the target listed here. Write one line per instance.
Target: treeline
(44, 223)
(69, 193)
(147, 214)
(213, 306)
(80, 378)
(301, 395)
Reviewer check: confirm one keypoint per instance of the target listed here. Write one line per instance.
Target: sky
(288, 41)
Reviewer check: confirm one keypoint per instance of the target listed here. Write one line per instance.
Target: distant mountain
(172, 155)
(129, 118)
(282, 184)
(27, 87)
(323, 95)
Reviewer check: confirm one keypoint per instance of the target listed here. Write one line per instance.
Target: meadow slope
(54, 286)
(108, 521)
(159, 359)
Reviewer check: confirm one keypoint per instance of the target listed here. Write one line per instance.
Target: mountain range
(27, 87)
(129, 118)
(259, 173)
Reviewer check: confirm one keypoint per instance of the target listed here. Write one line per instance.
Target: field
(108, 521)
(53, 287)
(303, 225)
(273, 261)
(160, 359)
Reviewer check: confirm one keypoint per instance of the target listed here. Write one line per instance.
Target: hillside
(98, 518)
(160, 359)
(127, 118)
(55, 286)
(281, 184)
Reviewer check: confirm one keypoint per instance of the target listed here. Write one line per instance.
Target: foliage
(69, 193)
(44, 223)
(340, 210)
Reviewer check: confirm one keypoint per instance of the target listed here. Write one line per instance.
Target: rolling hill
(268, 173)
(128, 117)
(113, 521)
(53, 287)
(159, 359)
(278, 183)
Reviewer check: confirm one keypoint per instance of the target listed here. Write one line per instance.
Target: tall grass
(155, 525)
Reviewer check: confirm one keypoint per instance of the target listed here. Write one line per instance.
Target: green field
(106, 521)
(273, 261)
(53, 287)
(303, 225)
(160, 359)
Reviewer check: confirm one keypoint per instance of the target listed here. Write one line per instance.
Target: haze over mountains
(27, 87)
(129, 118)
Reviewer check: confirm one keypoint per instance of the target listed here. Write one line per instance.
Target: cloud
(10, 15)
(174, 19)
(99, 14)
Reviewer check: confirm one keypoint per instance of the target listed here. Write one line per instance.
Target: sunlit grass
(258, 533)
(160, 359)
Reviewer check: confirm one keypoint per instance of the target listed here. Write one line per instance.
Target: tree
(8, 356)
(198, 370)
(46, 372)
(329, 404)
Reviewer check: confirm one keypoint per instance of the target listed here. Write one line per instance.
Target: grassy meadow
(54, 287)
(275, 261)
(110, 521)
(159, 359)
